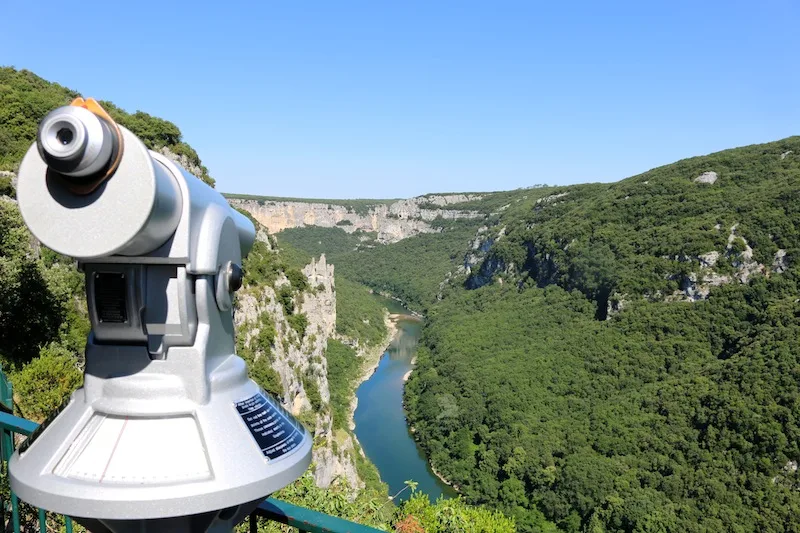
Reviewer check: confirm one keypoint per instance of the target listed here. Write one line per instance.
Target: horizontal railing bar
(308, 520)
(276, 510)
(17, 424)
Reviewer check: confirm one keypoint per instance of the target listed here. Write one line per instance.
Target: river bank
(443, 479)
(371, 358)
(406, 311)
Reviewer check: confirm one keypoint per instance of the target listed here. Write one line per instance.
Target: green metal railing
(305, 519)
(12, 426)
(272, 509)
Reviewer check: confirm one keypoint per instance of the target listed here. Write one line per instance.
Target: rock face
(708, 260)
(392, 222)
(698, 284)
(736, 263)
(706, 177)
(779, 264)
(744, 263)
(300, 363)
(181, 160)
(481, 245)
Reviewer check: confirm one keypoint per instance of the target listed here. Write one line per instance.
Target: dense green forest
(668, 416)
(612, 357)
(411, 269)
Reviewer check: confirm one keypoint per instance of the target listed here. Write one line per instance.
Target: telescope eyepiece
(76, 143)
(65, 136)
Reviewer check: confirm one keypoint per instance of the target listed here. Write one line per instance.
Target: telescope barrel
(86, 194)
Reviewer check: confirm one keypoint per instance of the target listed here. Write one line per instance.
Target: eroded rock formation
(300, 362)
(391, 222)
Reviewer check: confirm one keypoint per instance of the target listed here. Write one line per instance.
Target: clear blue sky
(393, 99)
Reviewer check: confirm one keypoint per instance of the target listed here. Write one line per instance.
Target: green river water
(381, 425)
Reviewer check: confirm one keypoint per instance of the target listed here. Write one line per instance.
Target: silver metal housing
(167, 432)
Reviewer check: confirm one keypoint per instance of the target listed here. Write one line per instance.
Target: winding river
(380, 420)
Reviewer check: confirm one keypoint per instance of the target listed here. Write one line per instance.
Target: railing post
(7, 445)
(6, 394)
(15, 512)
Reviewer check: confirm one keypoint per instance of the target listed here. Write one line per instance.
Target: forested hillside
(615, 357)
(678, 413)
(411, 269)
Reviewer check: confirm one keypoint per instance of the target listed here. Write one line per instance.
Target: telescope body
(167, 433)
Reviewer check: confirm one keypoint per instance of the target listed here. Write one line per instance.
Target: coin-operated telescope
(167, 432)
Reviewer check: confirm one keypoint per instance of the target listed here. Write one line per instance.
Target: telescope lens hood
(77, 144)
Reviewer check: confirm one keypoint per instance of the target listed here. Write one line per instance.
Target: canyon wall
(391, 221)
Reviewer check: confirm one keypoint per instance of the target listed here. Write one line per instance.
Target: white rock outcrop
(697, 285)
(551, 198)
(392, 222)
(779, 264)
(181, 160)
(706, 177)
(709, 259)
(744, 263)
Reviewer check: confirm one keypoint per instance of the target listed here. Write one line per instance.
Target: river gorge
(380, 420)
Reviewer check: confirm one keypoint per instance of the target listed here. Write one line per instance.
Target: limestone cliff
(287, 355)
(391, 221)
(299, 360)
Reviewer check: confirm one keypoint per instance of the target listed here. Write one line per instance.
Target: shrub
(6, 188)
(299, 323)
(46, 382)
